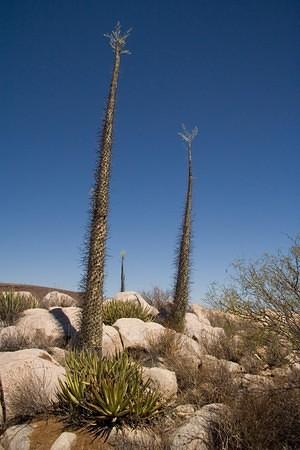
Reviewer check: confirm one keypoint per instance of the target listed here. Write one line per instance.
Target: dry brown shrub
(197, 384)
(30, 397)
(157, 297)
(268, 419)
(209, 385)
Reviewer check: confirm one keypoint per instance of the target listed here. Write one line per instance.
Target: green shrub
(117, 309)
(12, 304)
(102, 394)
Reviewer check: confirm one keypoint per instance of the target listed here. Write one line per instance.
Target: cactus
(183, 263)
(92, 324)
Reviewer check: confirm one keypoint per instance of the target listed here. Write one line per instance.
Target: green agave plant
(117, 309)
(12, 304)
(100, 394)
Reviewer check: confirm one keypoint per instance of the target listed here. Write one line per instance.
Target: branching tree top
(117, 40)
(188, 138)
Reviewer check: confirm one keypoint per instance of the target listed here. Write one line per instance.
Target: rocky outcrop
(66, 441)
(201, 330)
(201, 313)
(54, 325)
(111, 343)
(28, 369)
(195, 433)
(164, 380)
(138, 439)
(17, 437)
(213, 363)
(55, 298)
(135, 333)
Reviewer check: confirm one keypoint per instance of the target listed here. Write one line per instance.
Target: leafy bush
(267, 293)
(248, 344)
(116, 309)
(100, 394)
(12, 304)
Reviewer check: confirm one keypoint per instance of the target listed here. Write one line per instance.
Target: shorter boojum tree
(183, 260)
(122, 254)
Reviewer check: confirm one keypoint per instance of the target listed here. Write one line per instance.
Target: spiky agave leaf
(99, 394)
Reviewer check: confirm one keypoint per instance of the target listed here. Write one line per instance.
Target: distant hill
(38, 291)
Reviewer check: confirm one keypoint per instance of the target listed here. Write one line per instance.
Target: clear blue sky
(230, 67)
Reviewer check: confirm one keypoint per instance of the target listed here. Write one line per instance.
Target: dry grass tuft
(19, 340)
(30, 398)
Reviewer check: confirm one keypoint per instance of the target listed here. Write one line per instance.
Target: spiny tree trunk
(122, 272)
(183, 262)
(92, 325)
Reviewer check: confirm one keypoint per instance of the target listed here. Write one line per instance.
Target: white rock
(194, 434)
(69, 317)
(137, 439)
(135, 297)
(185, 410)
(136, 334)
(256, 382)
(189, 348)
(55, 298)
(66, 441)
(59, 354)
(17, 437)
(200, 331)
(164, 380)
(29, 368)
(112, 343)
(53, 325)
(211, 362)
(201, 313)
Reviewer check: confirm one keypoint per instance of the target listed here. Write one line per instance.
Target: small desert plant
(100, 394)
(113, 310)
(12, 304)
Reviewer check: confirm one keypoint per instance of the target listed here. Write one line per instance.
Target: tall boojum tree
(183, 260)
(92, 325)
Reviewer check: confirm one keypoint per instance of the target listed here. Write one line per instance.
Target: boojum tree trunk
(92, 324)
(183, 260)
(122, 272)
